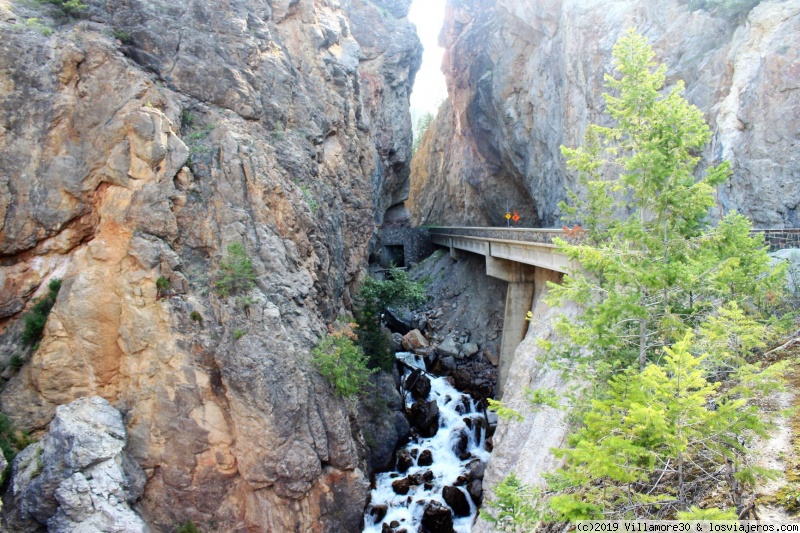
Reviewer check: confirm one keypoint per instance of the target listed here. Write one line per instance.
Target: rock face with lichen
(79, 476)
(139, 140)
(525, 77)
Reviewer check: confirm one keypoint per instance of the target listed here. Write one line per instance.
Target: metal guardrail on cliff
(777, 239)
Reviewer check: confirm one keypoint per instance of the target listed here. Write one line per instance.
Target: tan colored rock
(283, 126)
(414, 340)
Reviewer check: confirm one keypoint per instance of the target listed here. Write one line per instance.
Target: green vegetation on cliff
(423, 123)
(398, 290)
(236, 274)
(673, 312)
(36, 318)
(70, 7)
(342, 362)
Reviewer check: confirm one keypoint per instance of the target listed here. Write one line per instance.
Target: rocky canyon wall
(525, 77)
(138, 141)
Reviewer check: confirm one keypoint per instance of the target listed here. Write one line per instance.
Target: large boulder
(425, 417)
(382, 421)
(397, 321)
(425, 458)
(437, 518)
(448, 347)
(78, 477)
(469, 349)
(414, 340)
(404, 461)
(475, 488)
(457, 500)
(401, 486)
(418, 384)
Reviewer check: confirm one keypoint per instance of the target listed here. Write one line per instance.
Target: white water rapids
(447, 467)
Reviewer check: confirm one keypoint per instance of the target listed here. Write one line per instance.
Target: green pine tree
(654, 435)
(651, 266)
(660, 428)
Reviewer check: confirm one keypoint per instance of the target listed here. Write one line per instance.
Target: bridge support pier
(520, 295)
(456, 253)
(526, 286)
(519, 298)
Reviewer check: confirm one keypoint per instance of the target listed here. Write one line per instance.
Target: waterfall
(432, 468)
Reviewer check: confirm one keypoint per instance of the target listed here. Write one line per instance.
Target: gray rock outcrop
(78, 477)
(526, 76)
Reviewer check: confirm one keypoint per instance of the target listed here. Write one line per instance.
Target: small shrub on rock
(70, 7)
(342, 362)
(188, 527)
(163, 286)
(514, 507)
(36, 318)
(236, 274)
(11, 443)
(16, 362)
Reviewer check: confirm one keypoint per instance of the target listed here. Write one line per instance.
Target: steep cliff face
(525, 77)
(139, 141)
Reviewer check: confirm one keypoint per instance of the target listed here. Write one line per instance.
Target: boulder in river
(401, 486)
(425, 417)
(418, 384)
(447, 363)
(475, 489)
(477, 469)
(414, 340)
(457, 500)
(404, 461)
(425, 458)
(421, 478)
(437, 518)
(378, 512)
(461, 444)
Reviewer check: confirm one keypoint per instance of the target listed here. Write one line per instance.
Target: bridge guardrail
(777, 239)
(534, 235)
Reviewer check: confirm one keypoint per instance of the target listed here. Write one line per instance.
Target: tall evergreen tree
(659, 428)
(650, 264)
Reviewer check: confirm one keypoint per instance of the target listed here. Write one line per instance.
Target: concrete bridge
(527, 259)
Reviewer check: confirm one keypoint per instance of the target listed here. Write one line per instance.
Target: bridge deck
(527, 246)
(776, 239)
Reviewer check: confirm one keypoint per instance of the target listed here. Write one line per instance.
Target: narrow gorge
(193, 195)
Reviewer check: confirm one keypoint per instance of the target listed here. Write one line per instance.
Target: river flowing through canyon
(438, 474)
